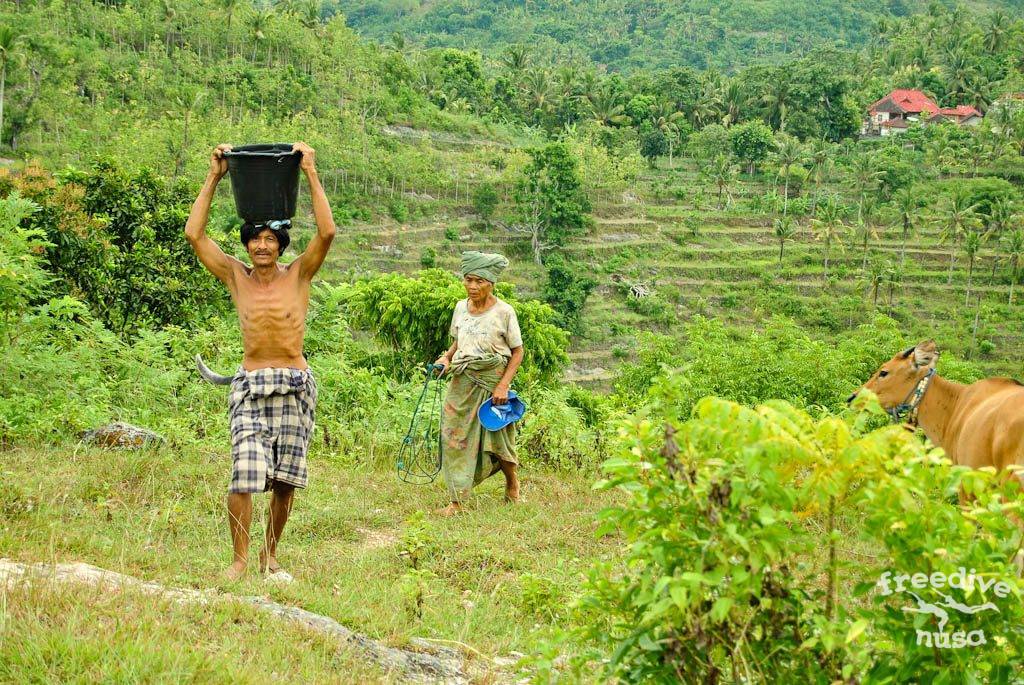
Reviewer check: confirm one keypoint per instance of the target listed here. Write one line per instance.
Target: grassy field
(494, 579)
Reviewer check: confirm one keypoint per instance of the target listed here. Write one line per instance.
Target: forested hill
(630, 34)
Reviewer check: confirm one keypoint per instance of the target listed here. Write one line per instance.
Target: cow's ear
(926, 354)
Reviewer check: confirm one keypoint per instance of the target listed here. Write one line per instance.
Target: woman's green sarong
(470, 453)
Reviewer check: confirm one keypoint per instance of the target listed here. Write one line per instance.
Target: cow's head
(896, 378)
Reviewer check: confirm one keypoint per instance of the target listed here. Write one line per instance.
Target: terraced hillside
(698, 260)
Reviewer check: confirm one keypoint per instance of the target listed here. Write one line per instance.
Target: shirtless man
(273, 394)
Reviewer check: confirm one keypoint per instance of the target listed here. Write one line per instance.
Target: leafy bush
(398, 211)
(413, 315)
(654, 307)
(781, 362)
(738, 523)
(22, 276)
(116, 243)
(555, 433)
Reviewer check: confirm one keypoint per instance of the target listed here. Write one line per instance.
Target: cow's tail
(209, 375)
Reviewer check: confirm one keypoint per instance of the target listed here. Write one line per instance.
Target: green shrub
(485, 201)
(739, 524)
(116, 243)
(781, 361)
(398, 211)
(428, 258)
(413, 313)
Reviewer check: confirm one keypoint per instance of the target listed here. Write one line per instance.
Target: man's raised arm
(311, 260)
(209, 253)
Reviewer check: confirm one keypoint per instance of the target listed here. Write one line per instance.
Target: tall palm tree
(864, 231)
(866, 177)
(1001, 213)
(10, 42)
(894, 281)
(540, 92)
(828, 227)
(785, 230)
(707, 107)
(1012, 243)
(257, 27)
(778, 98)
(788, 152)
(229, 7)
(723, 173)
(734, 100)
(665, 117)
(309, 13)
(907, 208)
(997, 28)
(821, 161)
(959, 72)
(918, 56)
(875, 278)
(960, 216)
(516, 58)
(605, 109)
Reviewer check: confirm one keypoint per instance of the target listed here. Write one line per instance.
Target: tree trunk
(1013, 280)
(3, 83)
(864, 262)
(974, 330)
(535, 244)
(970, 273)
(903, 246)
(952, 256)
(830, 599)
(785, 196)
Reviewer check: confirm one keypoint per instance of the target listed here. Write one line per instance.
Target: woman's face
(477, 288)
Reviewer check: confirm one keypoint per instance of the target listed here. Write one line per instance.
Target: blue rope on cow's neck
(419, 457)
(912, 402)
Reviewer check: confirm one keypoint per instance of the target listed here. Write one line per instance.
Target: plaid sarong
(272, 413)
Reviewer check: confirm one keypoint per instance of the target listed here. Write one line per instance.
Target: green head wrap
(484, 265)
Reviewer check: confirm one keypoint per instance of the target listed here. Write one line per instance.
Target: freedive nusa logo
(905, 583)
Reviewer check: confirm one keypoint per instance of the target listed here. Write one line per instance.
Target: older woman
(483, 360)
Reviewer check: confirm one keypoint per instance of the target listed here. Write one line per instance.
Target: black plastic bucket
(264, 181)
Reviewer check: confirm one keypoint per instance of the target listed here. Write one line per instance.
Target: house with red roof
(961, 115)
(896, 111)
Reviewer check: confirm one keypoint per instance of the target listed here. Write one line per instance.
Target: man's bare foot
(269, 564)
(451, 510)
(235, 571)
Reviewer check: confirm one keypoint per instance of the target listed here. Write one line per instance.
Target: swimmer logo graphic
(941, 607)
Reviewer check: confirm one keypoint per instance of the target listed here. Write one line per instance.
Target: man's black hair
(278, 228)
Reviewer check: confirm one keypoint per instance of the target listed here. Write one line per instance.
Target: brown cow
(978, 425)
